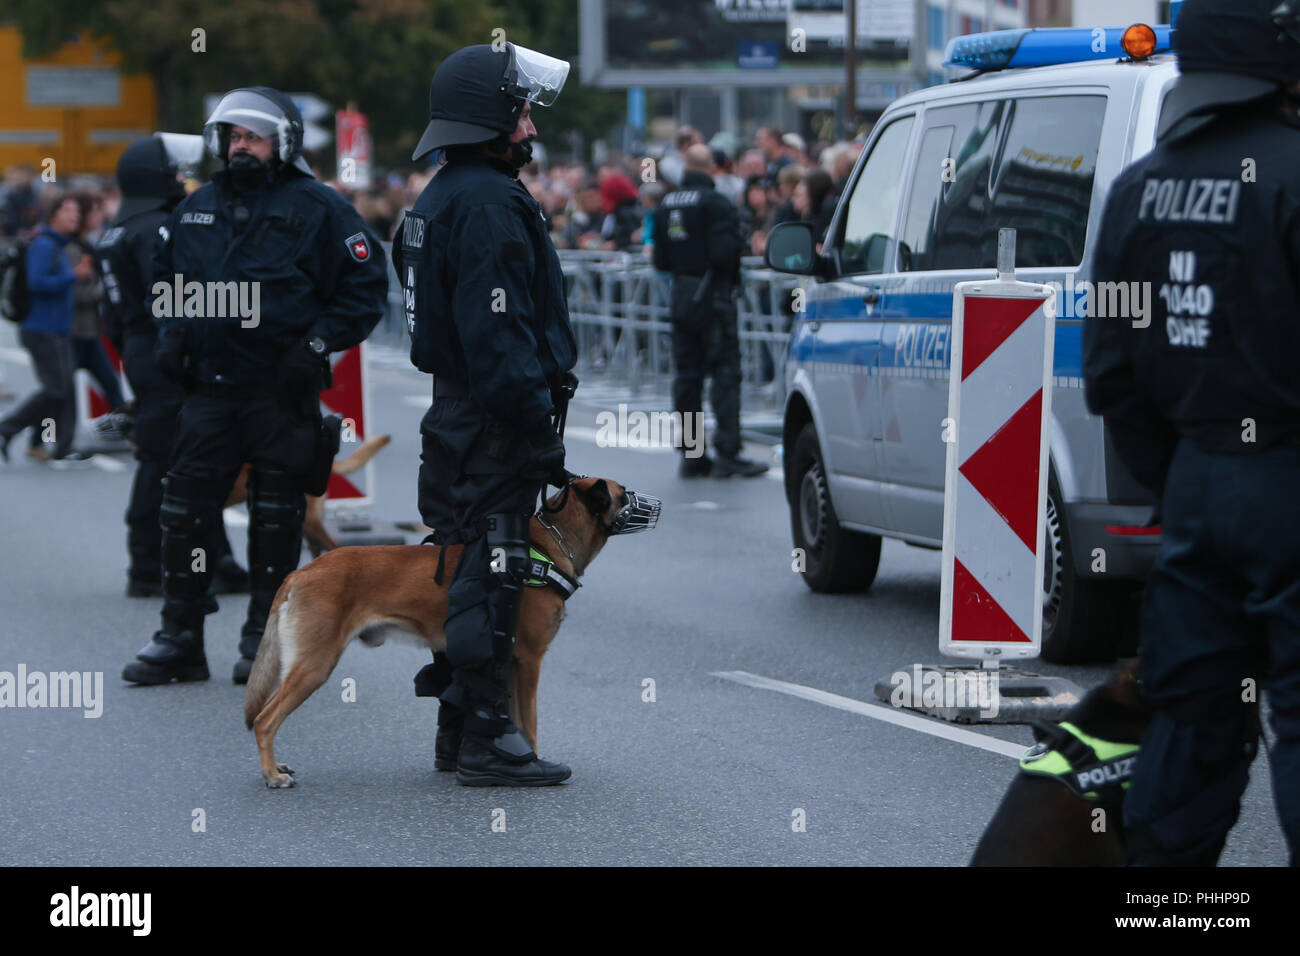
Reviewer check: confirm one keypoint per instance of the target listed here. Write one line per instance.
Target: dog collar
(1088, 765)
(542, 572)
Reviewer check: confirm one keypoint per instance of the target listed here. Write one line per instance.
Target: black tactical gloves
(303, 371)
(169, 353)
(545, 454)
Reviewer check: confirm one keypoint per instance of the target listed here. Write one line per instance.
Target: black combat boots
(451, 725)
(169, 656)
(506, 760)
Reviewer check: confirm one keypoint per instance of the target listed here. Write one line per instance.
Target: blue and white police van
(1031, 139)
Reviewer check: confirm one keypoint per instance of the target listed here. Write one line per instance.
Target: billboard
(732, 34)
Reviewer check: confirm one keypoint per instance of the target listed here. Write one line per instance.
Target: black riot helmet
(1230, 52)
(478, 91)
(147, 169)
(266, 112)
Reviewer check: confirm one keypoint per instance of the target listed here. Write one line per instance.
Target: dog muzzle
(641, 513)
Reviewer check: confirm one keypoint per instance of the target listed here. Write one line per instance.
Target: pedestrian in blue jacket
(46, 334)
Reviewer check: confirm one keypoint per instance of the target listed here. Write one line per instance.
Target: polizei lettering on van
(1190, 200)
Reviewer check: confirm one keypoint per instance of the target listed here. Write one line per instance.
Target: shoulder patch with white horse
(358, 247)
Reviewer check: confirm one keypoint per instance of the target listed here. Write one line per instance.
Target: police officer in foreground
(1203, 405)
(486, 309)
(697, 238)
(278, 272)
(147, 174)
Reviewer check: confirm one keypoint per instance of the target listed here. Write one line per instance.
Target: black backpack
(15, 300)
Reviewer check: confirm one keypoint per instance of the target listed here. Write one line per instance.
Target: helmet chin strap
(521, 153)
(518, 155)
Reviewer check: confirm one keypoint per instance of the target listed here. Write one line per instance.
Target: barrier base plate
(971, 695)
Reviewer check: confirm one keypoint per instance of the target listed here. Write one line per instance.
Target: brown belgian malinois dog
(372, 593)
(1048, 822)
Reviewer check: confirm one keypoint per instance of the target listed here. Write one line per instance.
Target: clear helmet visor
(253, 111)
(184, 151)
(535, 76)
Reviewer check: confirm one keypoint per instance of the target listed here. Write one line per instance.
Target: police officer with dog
(486, 308)
(1203, 404)
(697, 238)
(263, 273)
(147, 174)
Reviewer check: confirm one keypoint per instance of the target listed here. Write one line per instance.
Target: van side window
(934, 168)
(868, 240)
(1027, 165)
(948, 212)
(1044, 183)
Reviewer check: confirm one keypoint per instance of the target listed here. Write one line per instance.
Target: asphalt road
(713, 771)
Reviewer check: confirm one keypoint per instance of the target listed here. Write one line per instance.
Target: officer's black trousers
(470, 466)
(1221, 620)
(215, 436)
(158, 405)
(706, 343)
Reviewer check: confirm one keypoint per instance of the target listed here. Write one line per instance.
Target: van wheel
(835, 559)
(1084, 620)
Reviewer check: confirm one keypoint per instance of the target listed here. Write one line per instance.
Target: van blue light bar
(1011, 49)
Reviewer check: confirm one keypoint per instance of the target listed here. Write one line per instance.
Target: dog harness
(1091, 767)
(542, 571)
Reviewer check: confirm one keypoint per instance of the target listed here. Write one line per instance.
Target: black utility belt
(233, 391)
(450, 388)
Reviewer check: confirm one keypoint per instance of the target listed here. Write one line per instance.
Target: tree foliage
(376, 54)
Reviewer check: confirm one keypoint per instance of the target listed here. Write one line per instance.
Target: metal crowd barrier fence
(618, 305)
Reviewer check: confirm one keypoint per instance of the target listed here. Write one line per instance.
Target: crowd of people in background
(606, 206)
(610, 205)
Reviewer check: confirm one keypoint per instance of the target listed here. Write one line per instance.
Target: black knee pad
(190, 508)
(276, 508)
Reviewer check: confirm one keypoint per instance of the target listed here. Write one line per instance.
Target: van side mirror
(791, 247)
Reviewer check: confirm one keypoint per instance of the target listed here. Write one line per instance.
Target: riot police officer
(1203, 403)
(147, 174)
(261, 274)
(486, 309)
(697, 238)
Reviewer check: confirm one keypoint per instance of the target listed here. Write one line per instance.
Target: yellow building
(74, 106)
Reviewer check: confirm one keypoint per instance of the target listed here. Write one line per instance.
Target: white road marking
(889, 715)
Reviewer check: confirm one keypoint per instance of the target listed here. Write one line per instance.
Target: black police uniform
(124, 259)
(486, 309)
(488, 317)
(697, 238)
(252, 391)
(1204, 408)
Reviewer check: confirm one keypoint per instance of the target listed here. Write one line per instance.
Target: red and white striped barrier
(995, 492)
(349, 397)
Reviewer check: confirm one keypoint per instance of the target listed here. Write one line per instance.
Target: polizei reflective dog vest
(1088, 765)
